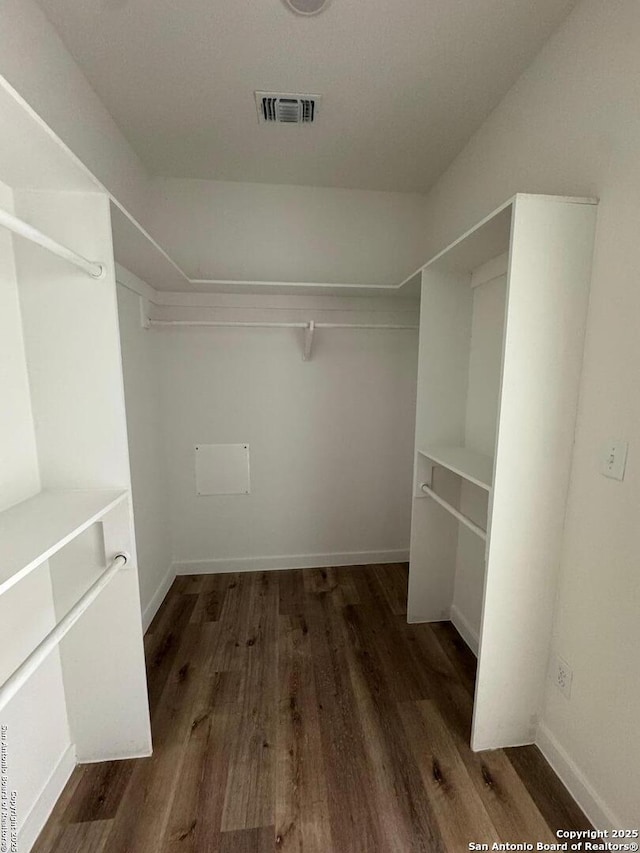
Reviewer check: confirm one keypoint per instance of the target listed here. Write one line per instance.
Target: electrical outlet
(614, 459)
(564, 677)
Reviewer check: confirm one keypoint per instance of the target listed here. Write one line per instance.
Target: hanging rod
(460, 516)
(267, 325)
(18, 226)
(309, 328)
(26, 669)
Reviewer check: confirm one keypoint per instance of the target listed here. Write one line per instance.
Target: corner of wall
(150, 610)
(585, 795)
(38, 815)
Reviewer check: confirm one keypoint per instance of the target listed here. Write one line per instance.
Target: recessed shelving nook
(69, 598)
(503, 315)
(36, 529)
(471, 466)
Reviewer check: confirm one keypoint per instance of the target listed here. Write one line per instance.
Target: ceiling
(404, 83)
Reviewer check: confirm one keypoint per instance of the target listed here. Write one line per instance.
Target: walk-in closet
(318, 421)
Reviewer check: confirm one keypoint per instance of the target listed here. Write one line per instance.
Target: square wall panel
(222, 469)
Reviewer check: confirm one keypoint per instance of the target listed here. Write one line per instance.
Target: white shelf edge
(438, 455)
(562, 199)
(33, 564)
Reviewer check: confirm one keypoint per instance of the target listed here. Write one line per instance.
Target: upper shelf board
(32, 157)
(35, 529)
(138, 252)
(472, 466)
(486, 239)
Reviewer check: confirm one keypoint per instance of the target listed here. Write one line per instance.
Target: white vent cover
(277, 108)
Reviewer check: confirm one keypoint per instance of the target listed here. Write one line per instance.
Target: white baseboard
(465, 630)
(39, 813)
(159, 596)
(147, 752)
(591, 803)
(290, 561)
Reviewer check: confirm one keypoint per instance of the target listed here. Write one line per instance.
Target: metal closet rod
(266, 325)
(26, 669)
(424, 487)
(23, 229)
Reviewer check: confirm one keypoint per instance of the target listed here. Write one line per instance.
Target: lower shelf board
(468, 464)
(35, 529)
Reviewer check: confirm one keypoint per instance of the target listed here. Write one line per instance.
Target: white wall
(36, 744)
(18, 455)
(263, 232)
(36, 63)
(141, 361)
(330, 439)
(571, 125)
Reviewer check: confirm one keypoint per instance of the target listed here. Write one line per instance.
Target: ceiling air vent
(286, 109)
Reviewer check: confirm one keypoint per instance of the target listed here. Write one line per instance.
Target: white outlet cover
(563, 677)
(614, 459)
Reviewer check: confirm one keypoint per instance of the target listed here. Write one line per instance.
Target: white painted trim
(129, 756)
(38, 815)
(129, 280)
(278, 302)
(232, 282)
(463, 627)
(290, 561)
(591, 803)
(158, 597)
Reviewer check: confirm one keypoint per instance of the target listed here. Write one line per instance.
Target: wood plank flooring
(297, 711)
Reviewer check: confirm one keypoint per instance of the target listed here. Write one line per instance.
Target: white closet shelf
(35, 529)
(32, 157)
(472, 466)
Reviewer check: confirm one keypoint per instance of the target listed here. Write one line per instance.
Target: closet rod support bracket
(100, 273)
(145, 321)
(308, 341)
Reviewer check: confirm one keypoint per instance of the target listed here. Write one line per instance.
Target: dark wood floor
(297, 711)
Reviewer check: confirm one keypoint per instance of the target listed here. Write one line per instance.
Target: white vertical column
(547, 301)
(103, 660)
(445, 333)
